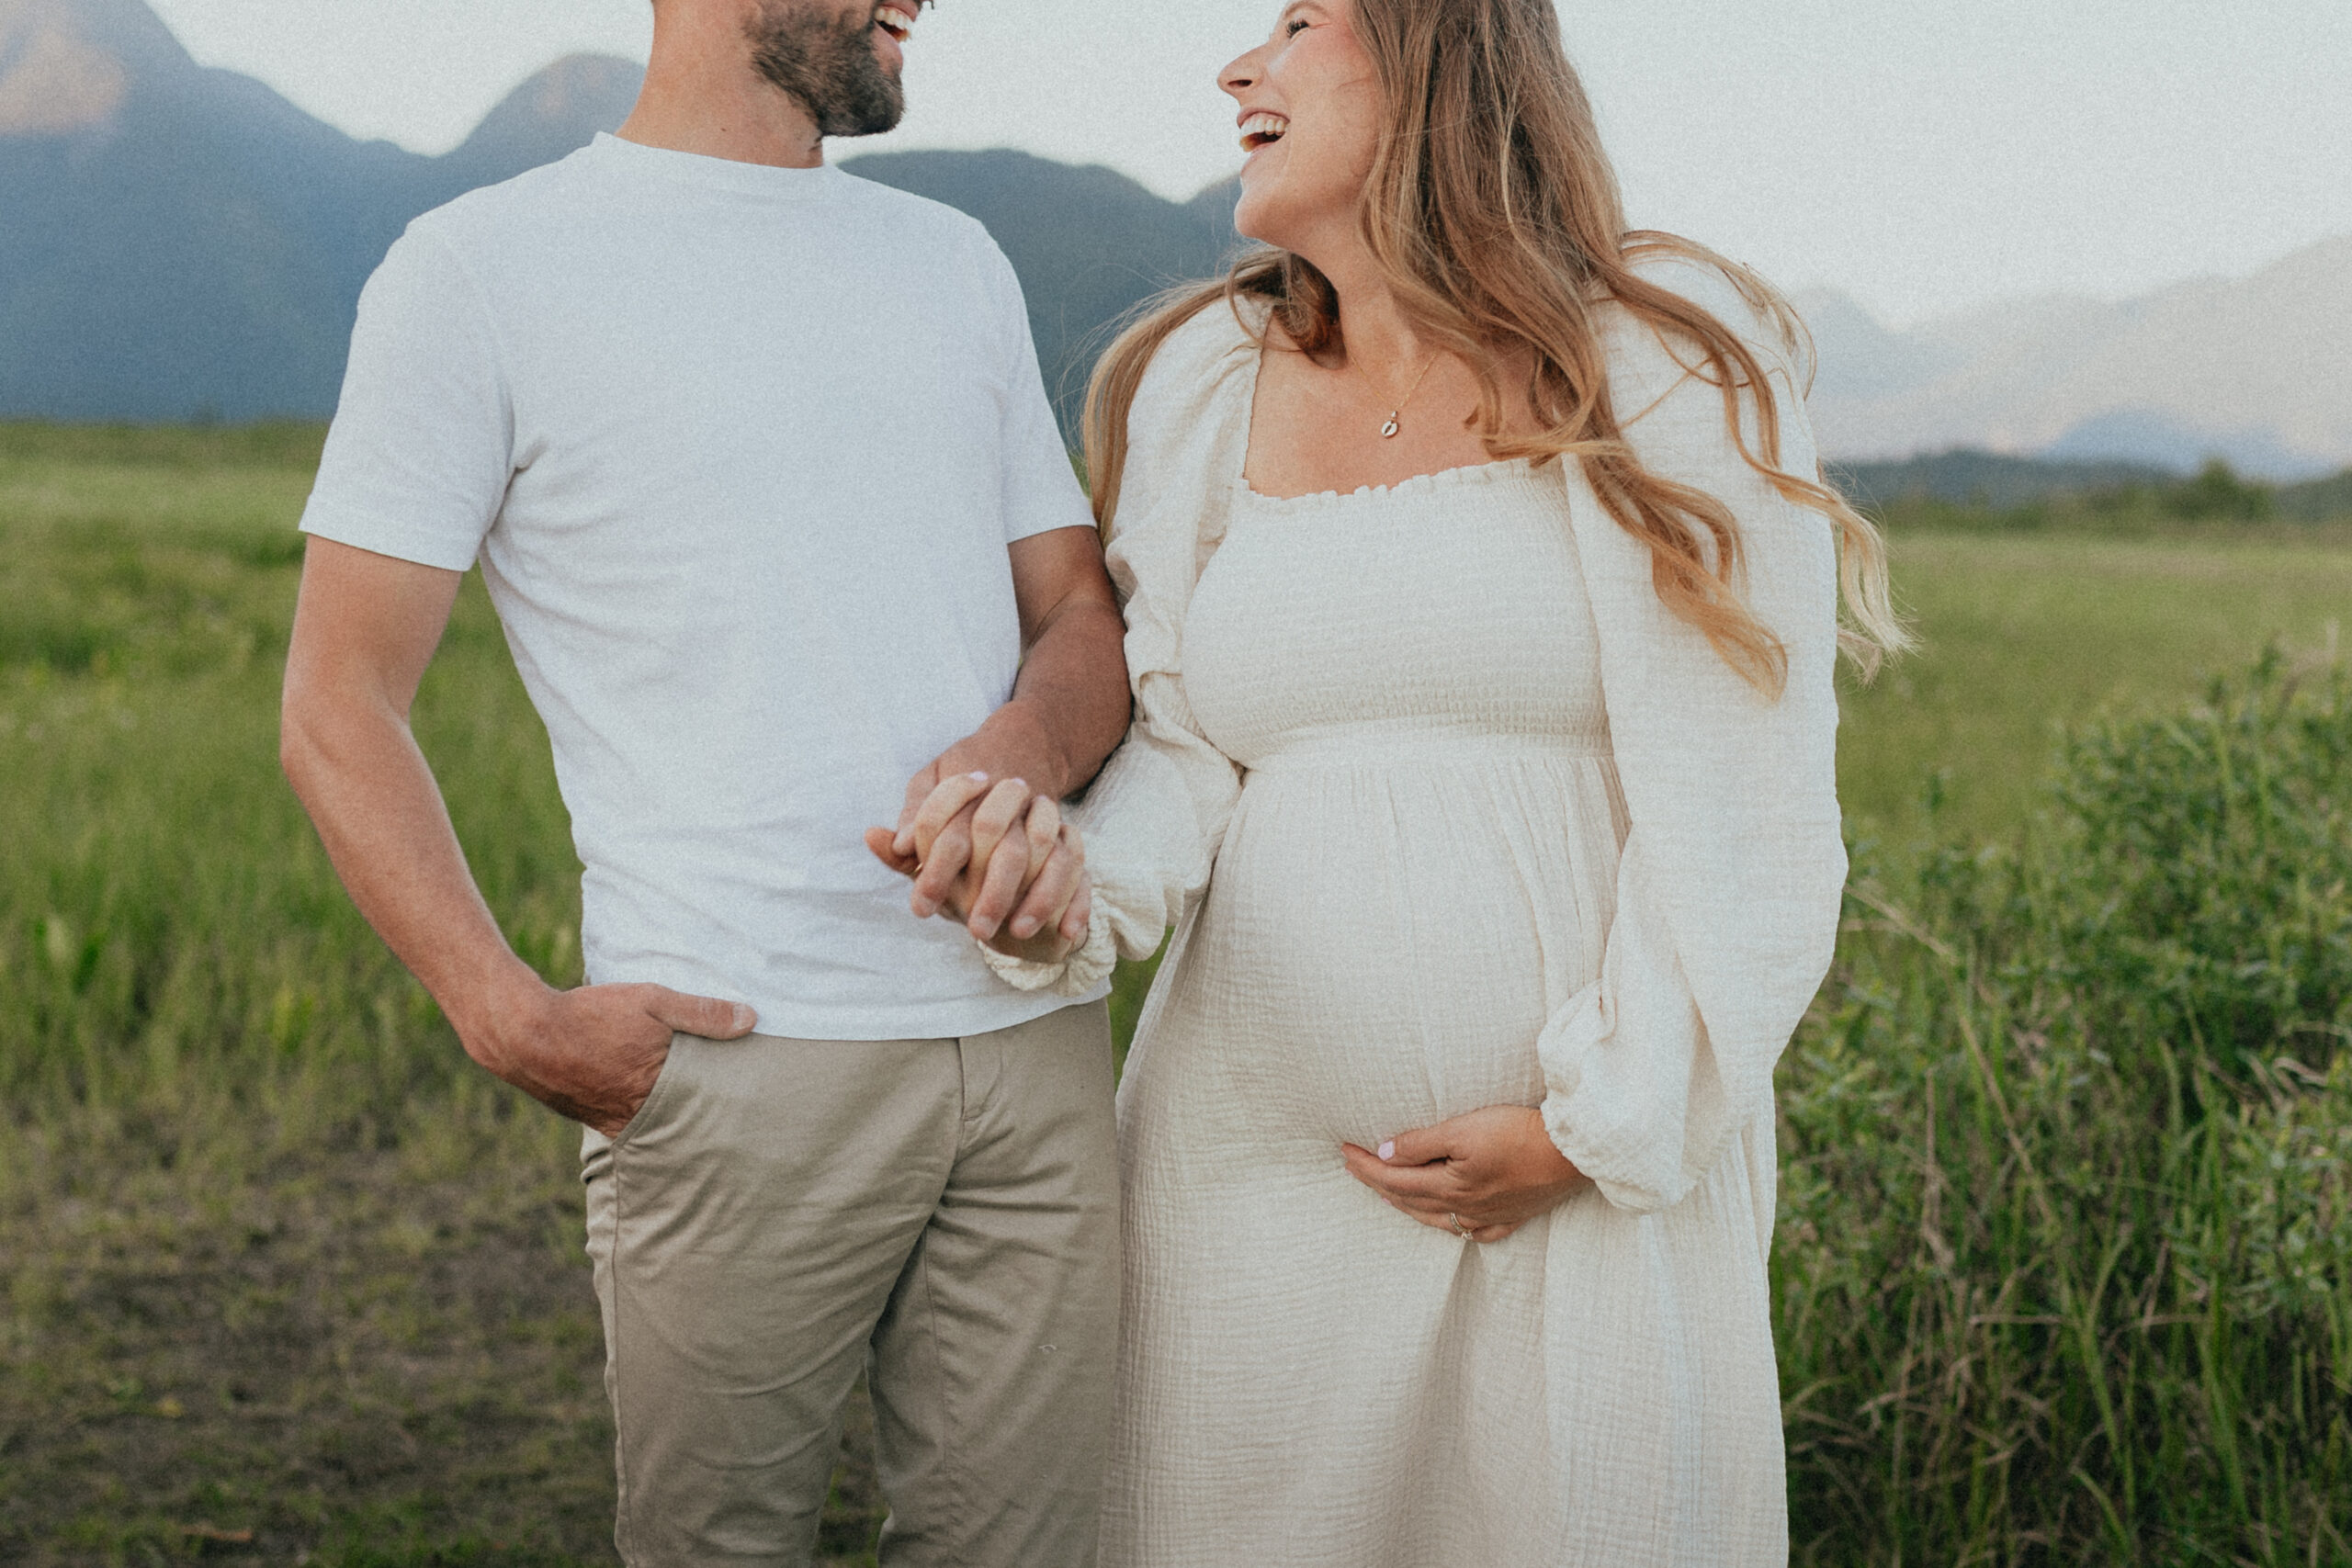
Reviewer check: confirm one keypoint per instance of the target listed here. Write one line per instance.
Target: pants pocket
(666, 1089)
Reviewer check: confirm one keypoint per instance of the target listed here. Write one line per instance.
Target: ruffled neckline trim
(1469, 477)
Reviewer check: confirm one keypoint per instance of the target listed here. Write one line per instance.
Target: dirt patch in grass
(364, 1361)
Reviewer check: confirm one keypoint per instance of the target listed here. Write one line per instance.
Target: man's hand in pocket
(593, 1053)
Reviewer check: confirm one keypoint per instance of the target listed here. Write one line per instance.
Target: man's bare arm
(366, 628)
(1069, 711)
(1072, 692)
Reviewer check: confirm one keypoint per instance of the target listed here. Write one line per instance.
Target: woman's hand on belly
(1481, 1175)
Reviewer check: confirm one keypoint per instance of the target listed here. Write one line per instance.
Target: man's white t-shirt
(740, 450)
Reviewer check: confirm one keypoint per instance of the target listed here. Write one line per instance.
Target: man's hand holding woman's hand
(996, 855)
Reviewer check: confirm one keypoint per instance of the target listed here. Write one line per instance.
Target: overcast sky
(1923, 155)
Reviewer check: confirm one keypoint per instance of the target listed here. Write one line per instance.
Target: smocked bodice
(1447, 613)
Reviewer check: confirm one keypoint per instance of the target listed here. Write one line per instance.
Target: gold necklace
(1388, 431)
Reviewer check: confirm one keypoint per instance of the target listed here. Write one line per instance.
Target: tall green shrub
(2065, 1270)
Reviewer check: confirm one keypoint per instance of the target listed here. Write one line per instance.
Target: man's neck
(702, 95)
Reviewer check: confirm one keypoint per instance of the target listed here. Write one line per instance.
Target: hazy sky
(1924, 155)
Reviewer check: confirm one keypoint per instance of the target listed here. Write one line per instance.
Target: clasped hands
(994, 855)
(999, 856)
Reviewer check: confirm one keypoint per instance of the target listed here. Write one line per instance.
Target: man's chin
(880, 106)
(875, 126)
(877, 109)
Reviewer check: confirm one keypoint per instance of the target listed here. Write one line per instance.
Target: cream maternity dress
(1447, 812)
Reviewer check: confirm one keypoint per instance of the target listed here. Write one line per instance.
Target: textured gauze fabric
(1447, 811)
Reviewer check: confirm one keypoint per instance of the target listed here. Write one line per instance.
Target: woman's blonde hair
(1494, 216)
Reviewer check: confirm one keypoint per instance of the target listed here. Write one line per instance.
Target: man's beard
(828, 64)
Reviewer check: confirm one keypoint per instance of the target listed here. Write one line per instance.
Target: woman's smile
(1262, 130)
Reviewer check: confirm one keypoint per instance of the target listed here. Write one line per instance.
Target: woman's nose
(1240, 76)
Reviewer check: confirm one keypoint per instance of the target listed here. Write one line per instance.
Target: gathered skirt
(1310, 1377)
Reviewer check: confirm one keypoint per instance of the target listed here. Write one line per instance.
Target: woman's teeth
(897, 20)
(1262, 130)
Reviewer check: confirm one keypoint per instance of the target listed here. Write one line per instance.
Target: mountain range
(181, 243)
(178, 241)
(2256, 370)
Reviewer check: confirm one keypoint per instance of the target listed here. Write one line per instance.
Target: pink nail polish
(1388, 1149)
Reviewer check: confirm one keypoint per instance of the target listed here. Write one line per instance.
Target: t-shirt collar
(763, 182)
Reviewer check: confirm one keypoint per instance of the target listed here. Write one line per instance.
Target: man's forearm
(1070, 704)
(387, 830)
(1068, 712)
(365, 630)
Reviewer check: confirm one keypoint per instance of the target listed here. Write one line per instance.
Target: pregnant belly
(1380, 952)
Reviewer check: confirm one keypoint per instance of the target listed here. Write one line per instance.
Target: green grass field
(288, 1280)
(2022, 636)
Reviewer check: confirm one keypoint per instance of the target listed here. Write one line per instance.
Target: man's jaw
(842, 70)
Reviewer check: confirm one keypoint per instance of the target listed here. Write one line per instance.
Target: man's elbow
(1108, 663)
(310, 715)
(1116, 696)
(298, 748)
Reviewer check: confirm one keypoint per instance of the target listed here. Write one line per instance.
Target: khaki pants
(942, 1211)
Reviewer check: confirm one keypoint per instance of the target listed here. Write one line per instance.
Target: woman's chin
(1279, 208)
(1257, 216)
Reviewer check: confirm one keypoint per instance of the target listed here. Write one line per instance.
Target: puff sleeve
(1728, 883)
(1155, 814)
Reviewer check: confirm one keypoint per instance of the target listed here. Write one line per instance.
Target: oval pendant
(1388, 431)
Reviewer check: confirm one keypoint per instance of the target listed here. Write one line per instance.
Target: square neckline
(1461, 473)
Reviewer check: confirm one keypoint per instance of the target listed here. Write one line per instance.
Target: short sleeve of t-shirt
(1041, 491)
(417, 463)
